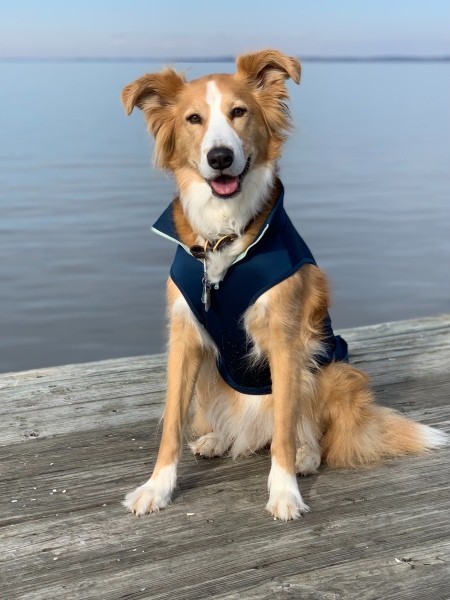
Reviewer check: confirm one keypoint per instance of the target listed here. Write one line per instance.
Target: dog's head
(216, 130)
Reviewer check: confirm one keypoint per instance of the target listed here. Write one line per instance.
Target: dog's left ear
(266, 72)
(268, 67)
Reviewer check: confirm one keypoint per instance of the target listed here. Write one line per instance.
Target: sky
(201, 28)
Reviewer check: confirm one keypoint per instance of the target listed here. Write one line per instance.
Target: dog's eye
(195, 119)
(237, 112)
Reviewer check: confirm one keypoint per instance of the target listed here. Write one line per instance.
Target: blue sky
(162, 28)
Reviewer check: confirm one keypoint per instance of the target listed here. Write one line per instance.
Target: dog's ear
(267, 68)
(156, 95)
(151, 91)
(266, 73)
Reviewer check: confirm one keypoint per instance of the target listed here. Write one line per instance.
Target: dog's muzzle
(225, 186)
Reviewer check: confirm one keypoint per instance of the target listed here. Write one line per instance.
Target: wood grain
(74, 439)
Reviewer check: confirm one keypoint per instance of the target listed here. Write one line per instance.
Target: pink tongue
(225, 185)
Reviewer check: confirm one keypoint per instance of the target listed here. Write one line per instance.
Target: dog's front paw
(286, 506)
(153, 495)
(145, 499)
(285, 501)
(209, 445)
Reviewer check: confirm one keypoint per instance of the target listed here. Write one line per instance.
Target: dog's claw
(145, 499)
(286, 507)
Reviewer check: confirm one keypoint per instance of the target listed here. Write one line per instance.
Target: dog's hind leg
(209, 445)
(208, 440)
(309, 454)
(184, 357)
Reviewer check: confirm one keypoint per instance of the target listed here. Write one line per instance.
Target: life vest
(277, 253)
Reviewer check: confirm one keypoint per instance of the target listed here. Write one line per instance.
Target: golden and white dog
(221, 136)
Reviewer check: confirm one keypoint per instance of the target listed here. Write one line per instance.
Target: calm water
(367, 175)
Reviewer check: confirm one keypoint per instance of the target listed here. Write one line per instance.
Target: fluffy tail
(360, 432)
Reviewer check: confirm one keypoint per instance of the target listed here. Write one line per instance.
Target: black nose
(220, 158)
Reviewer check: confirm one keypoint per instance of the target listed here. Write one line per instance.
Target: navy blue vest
(277, 253)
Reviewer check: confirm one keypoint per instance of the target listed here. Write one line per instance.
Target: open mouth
(226, 186)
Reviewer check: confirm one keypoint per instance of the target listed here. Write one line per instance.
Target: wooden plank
(125, 389)
(380, 532)
(227, 537)
(96, 395)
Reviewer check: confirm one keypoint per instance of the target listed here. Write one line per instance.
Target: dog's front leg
(285, 501)
(184, 356)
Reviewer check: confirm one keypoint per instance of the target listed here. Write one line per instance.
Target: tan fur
(313, 413)
(182, 225)
(183, 363)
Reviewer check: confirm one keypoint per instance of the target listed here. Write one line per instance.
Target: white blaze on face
(219, 134)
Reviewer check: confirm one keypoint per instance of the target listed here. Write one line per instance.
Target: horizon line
(226, 58)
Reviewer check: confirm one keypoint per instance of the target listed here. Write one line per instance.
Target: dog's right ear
(156, 94)
(154, 90)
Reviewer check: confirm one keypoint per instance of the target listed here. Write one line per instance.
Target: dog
(250, 341)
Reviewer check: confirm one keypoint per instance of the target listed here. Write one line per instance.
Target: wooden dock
(75, 439)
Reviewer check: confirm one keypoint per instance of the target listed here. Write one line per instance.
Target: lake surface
(367, 178)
